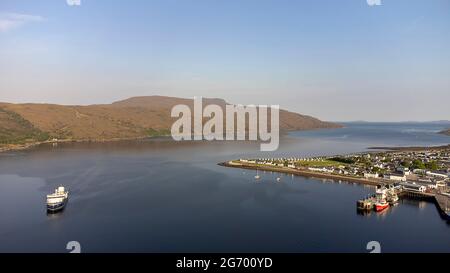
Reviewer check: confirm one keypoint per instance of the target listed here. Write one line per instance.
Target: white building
(440, 175)
(395, 177)
(324, 170)
(414, 187)
(404, 171)
(371, 175)
(418, 171)
(428, 183)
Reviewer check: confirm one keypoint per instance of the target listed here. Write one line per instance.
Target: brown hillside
(131, 118)
(15, 129)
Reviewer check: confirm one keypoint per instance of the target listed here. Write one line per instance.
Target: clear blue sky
(335, 59)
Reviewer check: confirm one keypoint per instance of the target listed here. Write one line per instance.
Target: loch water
(164, 196)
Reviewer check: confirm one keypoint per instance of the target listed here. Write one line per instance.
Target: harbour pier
(441, 200)
(306, 173)
(396, 189)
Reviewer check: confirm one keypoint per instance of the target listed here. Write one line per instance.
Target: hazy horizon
(334, 60)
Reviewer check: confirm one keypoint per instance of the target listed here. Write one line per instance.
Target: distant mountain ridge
(136, 117)
(398, 122)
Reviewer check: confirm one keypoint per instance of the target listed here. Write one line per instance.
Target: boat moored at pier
(381, 205)
(381, 196)
(391, 195)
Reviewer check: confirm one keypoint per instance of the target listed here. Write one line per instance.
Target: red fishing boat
(381, 205)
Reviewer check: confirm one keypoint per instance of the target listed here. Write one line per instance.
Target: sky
(337, 60)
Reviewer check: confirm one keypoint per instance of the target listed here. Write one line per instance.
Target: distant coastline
(31, 144)
(446, 132)
(408, 149)
(25, 146)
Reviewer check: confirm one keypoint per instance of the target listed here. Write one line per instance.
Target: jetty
(443, 201)
(306, 173)
(440, 199)
(439, 196)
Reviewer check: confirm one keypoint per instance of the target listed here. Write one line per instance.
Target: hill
(135, 117)
(16, 130)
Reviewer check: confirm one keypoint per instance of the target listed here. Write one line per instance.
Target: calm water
(378, 134)
(161, 196)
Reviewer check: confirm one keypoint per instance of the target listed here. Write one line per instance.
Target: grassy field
(324, 163)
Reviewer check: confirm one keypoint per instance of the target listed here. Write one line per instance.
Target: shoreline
(411, 148)
(20, 147)
(26, 146)
(305, 173)
(445, 132)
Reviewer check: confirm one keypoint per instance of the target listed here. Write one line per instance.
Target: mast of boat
(257, 175)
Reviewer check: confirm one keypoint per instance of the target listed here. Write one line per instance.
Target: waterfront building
(436, 174)
(371, 175)
(395, 177)
(413, 187)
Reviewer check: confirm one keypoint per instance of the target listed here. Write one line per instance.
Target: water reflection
(162, 196)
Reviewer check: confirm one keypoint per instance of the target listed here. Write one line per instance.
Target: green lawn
(324, 163)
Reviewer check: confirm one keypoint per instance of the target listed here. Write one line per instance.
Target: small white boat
(278, 179)
(57, 200)
(257, 175)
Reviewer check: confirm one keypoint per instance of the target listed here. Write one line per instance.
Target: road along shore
(306, 173)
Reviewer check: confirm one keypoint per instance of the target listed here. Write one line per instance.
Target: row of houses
(281, 162)
(364, 167)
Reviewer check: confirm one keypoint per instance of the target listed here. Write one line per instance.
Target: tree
(432, 165)
(418, 164)
(406, 164)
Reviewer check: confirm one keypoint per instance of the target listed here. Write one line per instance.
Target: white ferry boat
(57, 200)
